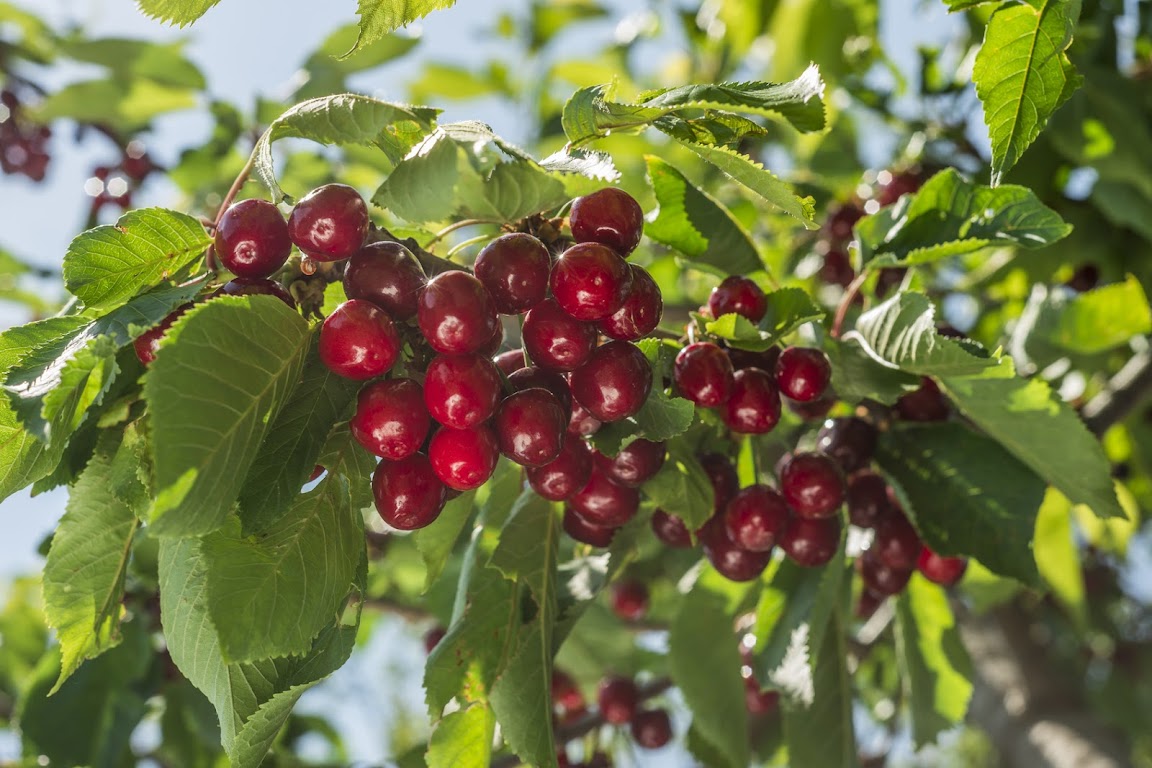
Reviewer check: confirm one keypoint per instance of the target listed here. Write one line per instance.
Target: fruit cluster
(23, 142)
(112, 185)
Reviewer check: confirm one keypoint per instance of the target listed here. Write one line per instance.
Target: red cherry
(641, 311)
(897, 543)
(388, 275)
(945, 571)
(566, 475)
(904, 183)
(630, 600)
(725, 482)
(614, 382)
(407, 492)
(842, 218)
(590, 282)
(618, 698)
(811, 542)
(925, 404)
(755, 517)
(554, 339)
(738, 295)
(433, 637)
(730, 560)
(671, 530)
(611, 217)
(867, 604)
(256, 286)
(147, 344)
(463, 458)
(587, 532)
(533, 377)
(316, 472)
(703, 374)
(583, 423)
(754, 405)
(252, 239)
(757, 700)
(456, 314)
(635, 464)
(358, 341)
(812, 484)
(530, 427)
(837, 268)
(803, 374)
(511, 361)
(514, 268)
(879, 578)
(652, 728)
(867, 499)
(813, 411)
(567, 700)
(604, 502)
(851, 442)
(495, 341)
(391, 420)
(462, 391)
(329, 223)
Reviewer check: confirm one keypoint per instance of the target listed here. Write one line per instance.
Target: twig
(235, 188)
(846, 301)
(455, 226)
(1124, 392)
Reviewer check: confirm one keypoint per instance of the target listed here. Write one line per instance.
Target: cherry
(925, 404)
(433, 637)
(811, 541)
(671, 530)
(842, 218)
(567, 700)
(757, 700)
(812, 484)
(495, 341)
(652, 728)
(462, 391)
(803, 374)
(316, 472)
(867, 499)
(635, 464)
(256, 286)
(252, 239)
(604, 502)
(903, 183)
(391, 420)
(740, 296)
(511, 361)
(851, 442)
(530, 377)
(590, 281)
(456, 314)
(897, 543)
(618, 698)
(147, 344)
(813, 411)
(641, 311)
(703, 374)
(614, 382)
(567, 474)
(514, 268)
(722, 475)
(587, 532)
(867, 603)
(837, 268)
(583, 423)
(729, 559)
(945, 571)
(407, 492)
(755, 517)
(611, 217)
(329, 223)
(879, 578)
(630, 600)
(743, 358)
(754, 405)
(530, 427)
(358, 341)
(388, 275)
(463, 458)
(1085, 278)
(554, 339)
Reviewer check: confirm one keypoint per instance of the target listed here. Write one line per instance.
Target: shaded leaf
(821, 733)
(763, 182)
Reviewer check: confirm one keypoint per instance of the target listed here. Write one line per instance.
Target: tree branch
(1125, 391)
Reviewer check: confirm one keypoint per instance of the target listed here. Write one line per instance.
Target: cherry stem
(235, 188)
(467, 243)
(455, 226)
(846, 301)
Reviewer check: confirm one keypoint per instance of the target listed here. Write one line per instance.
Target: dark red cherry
(722, 475)
(256, 286)
(611, 217)
(754, 405)
(433, 637)
(463, 458)
(564, 477)
(317, 471)
(755, 517)
(617, 698)
(391, 420)
(635, 464)
(407, 492)
(837, 268)
(509, 362)
(903, 183)
(590, 282)
(567, 700)
(703, 374)
(533, 376)
(554, 339)
(641, 311)
(850, 441)
(456, 314)
(652, 728)
(811, 541)
(925, 404)
(945, 571)
(816, 410)
(587, 532)
(514, 268)
(867, 604)
(738, 295)
(897, 543)
(252, 239)
(867, 499)
(329, 223)
(812, 484)
(388, 275)
(604, 502)
(743, 358)
(630, 600)
(842, 218)
(462, 391)
(583, 423)
(730, 560)
(495, 341)
(614, 382)
(803, 373)
(759, 701)
(358, 341)
(147, 344)
(530, 427)
(879, 578)
(671, 530)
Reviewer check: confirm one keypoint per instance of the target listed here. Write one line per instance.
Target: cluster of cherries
(23, 142)
(112, 185)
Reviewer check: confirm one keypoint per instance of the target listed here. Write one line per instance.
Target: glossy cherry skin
(511, 361)
(462, 391)
(329, 223)
(407, 492)
(879, 578)
(611, 217)
(867, 499)
(495, 341)
(703, 374)
(754, 406)
(256, 286)
(590, 282)
(532, 376)
(252, 239)
(583, 423)
(925, 404)
(850, 441)
(463, 458)
(585, 531)
(803, 374)
(641, 311)
(671, 530)
(358, 341)
(147, 344)
(635, 464)
(897, 543)
(604, 502)
(554, 339)
(614, 382)
(618, 699)
(530, 427)
(945, 571)
(811, 542)
(388, 275)
(738, 295)
(456, 314)
(630, 600)
(730, 560)
(391, 420)
(755, 517)
(652, 728)
(725, 482)
(812, 484)
(757, 700)
(563, 477)
(514, 268)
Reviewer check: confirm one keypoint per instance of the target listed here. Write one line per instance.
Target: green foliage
(788, 309)
(178, 12)
(379, 17)
(1056, 323)
(682, 488)
(818, 725)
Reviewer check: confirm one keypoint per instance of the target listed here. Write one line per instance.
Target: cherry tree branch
(1124, 392)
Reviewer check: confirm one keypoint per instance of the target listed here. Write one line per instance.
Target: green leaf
(788, 309)
(343, 119)
(109, 265)
(934, 666)
(755, 177)
(224, 371)
(696, 224)
(1040, 429)
(857, 376)
(661, 417)
(1089, 323)
(125, 106)
(796, 605)
(820, 731)
(1058, 555)
(967, 495)
(901, 333)
(128, 59)
(379, 17)
(682, 488)
(86, 565)
(463, 739)
(437, 541)
(178, 12)
(1022, 75)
